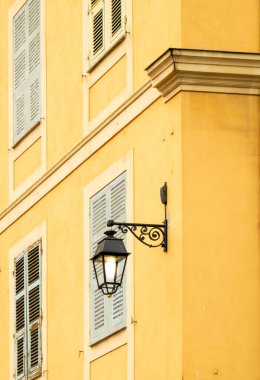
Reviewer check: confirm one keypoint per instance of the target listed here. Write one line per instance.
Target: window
(108, 315)
(27, 283)
(107, 26)
(26, 69)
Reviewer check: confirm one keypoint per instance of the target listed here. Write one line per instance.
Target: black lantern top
(109, 263)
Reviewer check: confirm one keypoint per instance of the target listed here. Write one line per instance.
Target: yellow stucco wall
(221, 236)
(158, 291)
(115, 361)
(110, 85)
(64, 80)
(208, 157)
(221, 25)
(62, 209)
(27, 163)
(197, 308)
(156, 28)
(4, 180)
(64, 77)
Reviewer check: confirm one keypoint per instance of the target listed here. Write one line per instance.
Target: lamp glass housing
(109, 262)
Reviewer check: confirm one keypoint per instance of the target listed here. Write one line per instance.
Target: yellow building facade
(101, 103)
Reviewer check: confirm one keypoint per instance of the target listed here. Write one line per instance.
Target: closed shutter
(107, 314)
(26, 49)
(98, 219)
(34, 62)
(28, 314)
(116, 19)
(20, 318)
(34, 310)
(97, 20)
(20, 72)
(106, 26)
(118, 213)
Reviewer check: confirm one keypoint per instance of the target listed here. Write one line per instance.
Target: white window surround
(39, 233)
(125, 336)
(39, 131)
(122, 48)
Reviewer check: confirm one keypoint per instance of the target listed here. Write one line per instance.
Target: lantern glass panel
(99, 272)
(120, 269)
(110, 268)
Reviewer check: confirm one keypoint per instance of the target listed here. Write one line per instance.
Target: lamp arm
(152, 235)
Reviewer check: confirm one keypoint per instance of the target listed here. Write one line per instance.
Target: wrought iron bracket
(152, 235)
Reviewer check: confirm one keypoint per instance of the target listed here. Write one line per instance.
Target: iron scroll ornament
(152, 235)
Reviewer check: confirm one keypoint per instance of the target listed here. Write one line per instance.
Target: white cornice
(203, 70)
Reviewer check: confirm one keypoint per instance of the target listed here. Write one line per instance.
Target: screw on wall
(215, 371)
(133, 321)
(80, 352)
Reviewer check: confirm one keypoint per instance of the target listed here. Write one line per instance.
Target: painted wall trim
(124, 48)
(40, 130)
(207, 71)
(128, 111)
(125, 336)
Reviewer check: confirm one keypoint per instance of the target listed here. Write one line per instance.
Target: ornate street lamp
(110, 258)
(109, 263)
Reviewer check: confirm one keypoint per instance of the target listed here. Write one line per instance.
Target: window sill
(106, 337)
(108, 344)
(25, 135)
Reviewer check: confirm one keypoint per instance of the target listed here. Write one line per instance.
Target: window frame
(38, 131)
(109, 41)
(28, 327)
(16, 251)
(91, 75)
(126, 335)
(109, 327)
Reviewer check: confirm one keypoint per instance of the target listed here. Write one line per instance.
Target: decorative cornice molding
(204, 70)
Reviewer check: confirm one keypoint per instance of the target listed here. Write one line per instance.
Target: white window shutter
(26, 57)
(107, 314)
(97, 23)
(20, 318)
(98, 218)
(93, 2)
(34, 55)
(20, 42)
(34, 310)
(116, 22)
(118, 213)
(106, 24)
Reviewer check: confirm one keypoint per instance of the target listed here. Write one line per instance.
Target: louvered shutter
(34, 62)
(93, 2)
(97, 20)
(107, 314)
(118, 213)
(98, 218)
(20, 318)
(34, 310)
(116, 20)
(26, 27)
(20, 72)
